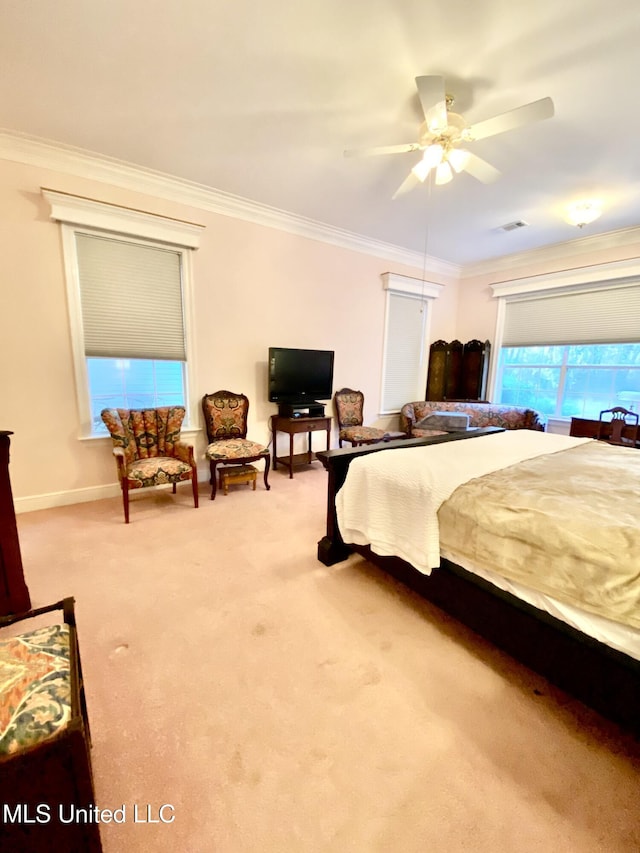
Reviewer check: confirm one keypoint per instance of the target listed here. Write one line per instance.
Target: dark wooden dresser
(14, 595)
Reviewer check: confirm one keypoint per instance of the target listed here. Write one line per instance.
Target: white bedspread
(390, 499)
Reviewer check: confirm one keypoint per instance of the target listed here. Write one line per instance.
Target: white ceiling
(259, 99)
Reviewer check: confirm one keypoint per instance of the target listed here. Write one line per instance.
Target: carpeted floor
(278, 705)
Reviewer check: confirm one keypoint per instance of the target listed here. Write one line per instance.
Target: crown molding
(558, 252)
(47, 154)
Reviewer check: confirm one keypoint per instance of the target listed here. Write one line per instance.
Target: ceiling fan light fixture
(581, 213)
(442, 131)
(443, 173)
(431, 158)
(421, 170)
(433, 155)
(458, 158)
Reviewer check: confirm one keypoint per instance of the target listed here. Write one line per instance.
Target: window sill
(559, 425)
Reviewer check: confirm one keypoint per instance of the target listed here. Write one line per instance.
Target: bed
(510, 542)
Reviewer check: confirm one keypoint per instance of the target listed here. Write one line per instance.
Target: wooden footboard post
(331, 548)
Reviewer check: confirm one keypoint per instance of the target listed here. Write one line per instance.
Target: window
(405, 342)
(132, 322)
(570, 349)
(570, 381)
(128, 282)
(130, 383)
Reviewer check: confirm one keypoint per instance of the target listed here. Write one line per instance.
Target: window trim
(77, 214)
(396, 284)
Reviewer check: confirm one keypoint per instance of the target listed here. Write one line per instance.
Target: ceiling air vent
(512, 226)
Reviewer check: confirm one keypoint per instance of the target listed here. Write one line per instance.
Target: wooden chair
(349, 406)
(225, 417)
(148, 450)
(623, 426)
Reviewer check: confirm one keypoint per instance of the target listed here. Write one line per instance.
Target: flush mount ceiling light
(581, 213)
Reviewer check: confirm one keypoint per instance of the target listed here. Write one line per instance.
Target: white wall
(255, 287)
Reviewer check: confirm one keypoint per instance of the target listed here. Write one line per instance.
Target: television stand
(308, 409)
(293, 426)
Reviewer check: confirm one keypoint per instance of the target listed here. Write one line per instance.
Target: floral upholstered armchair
(349, 405)
(225, 417)
(148, 450)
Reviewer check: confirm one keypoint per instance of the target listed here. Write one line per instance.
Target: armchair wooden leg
(194, 485)
(125, 499)
(174, 488)
(267, 464)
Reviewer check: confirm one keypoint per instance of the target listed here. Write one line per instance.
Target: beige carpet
(278, 705)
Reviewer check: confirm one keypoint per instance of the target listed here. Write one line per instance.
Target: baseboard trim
(80, 496)
(72, 496)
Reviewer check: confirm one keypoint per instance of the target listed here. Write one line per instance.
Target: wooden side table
(293, 426)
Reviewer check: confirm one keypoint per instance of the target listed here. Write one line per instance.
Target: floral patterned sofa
(412, 416)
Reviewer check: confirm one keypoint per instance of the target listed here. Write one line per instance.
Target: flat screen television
(300, 375)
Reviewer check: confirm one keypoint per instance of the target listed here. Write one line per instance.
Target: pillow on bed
(450, 421)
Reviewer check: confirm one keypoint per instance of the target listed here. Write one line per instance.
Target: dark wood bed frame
(603, 678)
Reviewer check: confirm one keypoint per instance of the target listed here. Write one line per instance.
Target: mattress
(390, 500)
(617, 636)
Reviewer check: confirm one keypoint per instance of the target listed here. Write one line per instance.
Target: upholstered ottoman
(234, 474)
(46, 783)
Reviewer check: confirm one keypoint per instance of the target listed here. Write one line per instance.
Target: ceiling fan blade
(535, 111)
(382, 149)
(409, 183)
(480, 169)
(434, 101)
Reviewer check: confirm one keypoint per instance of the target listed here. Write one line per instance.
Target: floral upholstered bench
(35, 680)
(416, 419)
(45, 765)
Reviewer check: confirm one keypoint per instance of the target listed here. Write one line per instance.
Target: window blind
(131, 299)
(404, 351)
(598, 316)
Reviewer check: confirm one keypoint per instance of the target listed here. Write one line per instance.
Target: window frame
(86, 216)
(612, 274)
(426, 292)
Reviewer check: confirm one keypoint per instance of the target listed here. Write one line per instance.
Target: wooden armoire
(458, 371)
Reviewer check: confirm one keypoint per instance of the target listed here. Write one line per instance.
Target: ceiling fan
(443, 133)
